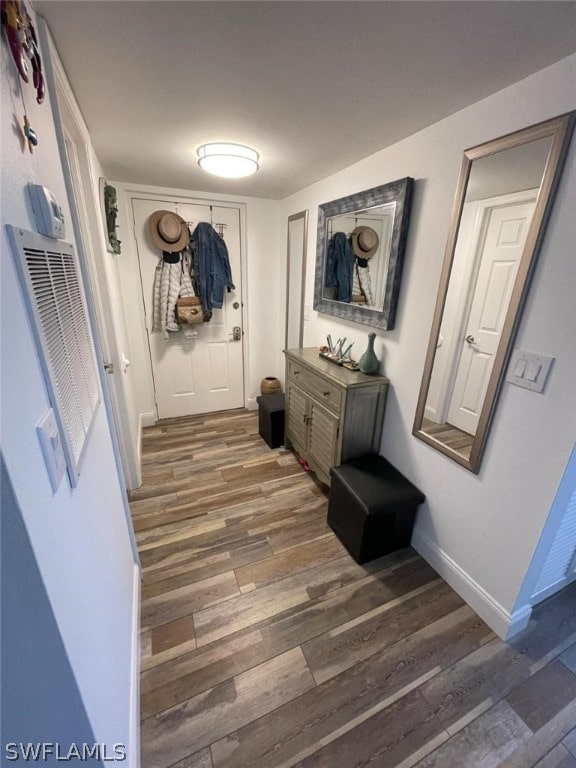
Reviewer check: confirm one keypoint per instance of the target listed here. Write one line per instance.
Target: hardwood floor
(265, 645)
(449, 435)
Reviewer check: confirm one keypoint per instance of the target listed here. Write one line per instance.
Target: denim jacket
(340, 266)
(211, 266)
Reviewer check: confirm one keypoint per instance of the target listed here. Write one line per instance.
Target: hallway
(264, 644)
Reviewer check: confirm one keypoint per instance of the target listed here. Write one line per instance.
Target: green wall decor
(111, 210)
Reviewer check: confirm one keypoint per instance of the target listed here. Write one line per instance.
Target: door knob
(470, 339)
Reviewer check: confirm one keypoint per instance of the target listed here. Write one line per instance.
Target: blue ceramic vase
(369, 363)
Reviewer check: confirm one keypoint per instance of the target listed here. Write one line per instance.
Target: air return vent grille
(51, 283)
(559, 564)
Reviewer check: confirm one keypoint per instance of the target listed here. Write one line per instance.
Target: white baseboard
(133, 476)
(147, 419)
(133, 749)
(504, 623)
(251, 404)
(139, 439)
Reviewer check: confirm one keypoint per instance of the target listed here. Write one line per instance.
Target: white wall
(481, 531)
(79, 536)
(262, 284)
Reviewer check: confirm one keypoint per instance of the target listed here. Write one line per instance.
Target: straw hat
(168, 231)
(365, 242)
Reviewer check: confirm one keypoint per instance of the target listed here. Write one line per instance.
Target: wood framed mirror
(360, 254)
(503, 201)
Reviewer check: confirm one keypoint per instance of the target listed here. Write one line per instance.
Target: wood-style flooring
(449, 435)
(265, 645)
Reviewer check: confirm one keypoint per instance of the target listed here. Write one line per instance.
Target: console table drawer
(325, 391)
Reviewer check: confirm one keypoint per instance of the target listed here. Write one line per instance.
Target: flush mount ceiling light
(229, 160)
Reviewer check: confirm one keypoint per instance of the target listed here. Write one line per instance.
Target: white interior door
(201, 371)
(500, 248)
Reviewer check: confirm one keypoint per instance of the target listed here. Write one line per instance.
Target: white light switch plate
(51, 448)
(528, 370)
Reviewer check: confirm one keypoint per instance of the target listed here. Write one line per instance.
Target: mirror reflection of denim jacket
(211, 266)
(340, 266)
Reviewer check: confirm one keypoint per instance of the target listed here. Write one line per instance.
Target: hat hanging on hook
(168, 231)
(365, 242)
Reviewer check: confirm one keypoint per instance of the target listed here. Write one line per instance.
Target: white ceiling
(313, 86)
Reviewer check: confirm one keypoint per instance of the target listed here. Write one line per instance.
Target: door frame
(297, 301)
(87, 224)
(135, 192)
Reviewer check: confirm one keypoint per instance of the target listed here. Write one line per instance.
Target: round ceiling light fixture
(233, 161)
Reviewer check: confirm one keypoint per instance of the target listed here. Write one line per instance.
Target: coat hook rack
(218, 227)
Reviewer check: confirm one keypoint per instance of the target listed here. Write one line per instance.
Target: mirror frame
(559, 129)
(291, 219)
(399, 192)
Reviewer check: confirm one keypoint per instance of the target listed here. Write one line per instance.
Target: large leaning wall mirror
(503, 201)
(360, 252)
(296, 279)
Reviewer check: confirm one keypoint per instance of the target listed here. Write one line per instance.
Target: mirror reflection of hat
(168, 231)
(365, 242)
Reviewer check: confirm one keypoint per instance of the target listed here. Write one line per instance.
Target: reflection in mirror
(361, 241)
(358, 256)
(296, 279)
(504, 197)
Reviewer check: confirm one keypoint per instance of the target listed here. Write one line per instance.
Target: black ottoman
(271, 419)
(372, 507)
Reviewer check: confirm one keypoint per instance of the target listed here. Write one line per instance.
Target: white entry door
(499, 250)
(203, 372)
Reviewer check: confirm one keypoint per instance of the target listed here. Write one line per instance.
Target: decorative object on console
(369, 363)
(344, 360)
(338, 354)
(270, 385)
